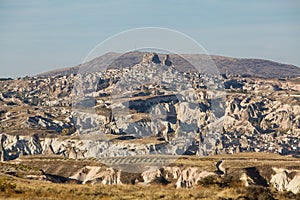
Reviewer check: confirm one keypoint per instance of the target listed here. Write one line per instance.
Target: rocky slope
(136, 121)
(238, 66)
(150, 108)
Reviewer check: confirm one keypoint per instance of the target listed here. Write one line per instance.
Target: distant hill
(239, 66)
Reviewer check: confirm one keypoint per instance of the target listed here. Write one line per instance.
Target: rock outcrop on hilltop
(234, 66)
(167, 61)
(150, 58)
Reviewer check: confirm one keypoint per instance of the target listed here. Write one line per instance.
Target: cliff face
(243, 170)
(14, 146)
(181, 177)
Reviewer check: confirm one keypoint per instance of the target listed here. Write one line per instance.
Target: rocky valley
(148, 122)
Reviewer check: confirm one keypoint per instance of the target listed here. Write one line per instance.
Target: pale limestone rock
(294, 184)
(280, 179)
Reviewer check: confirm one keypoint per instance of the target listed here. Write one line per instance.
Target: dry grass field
(18, 187)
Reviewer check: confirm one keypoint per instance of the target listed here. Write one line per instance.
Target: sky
(38, 35)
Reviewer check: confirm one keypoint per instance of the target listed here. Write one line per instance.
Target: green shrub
(259, 193)
(226, 181)
(207, 181)
(6, 185)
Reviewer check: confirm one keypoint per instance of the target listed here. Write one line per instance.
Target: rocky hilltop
(235, 66)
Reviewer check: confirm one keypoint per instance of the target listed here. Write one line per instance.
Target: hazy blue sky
(37, 36)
